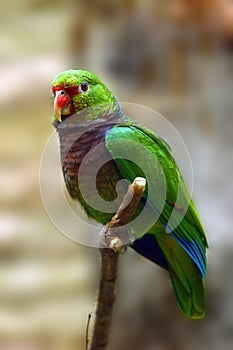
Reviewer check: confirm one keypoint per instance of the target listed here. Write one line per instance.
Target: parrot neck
(93, 116)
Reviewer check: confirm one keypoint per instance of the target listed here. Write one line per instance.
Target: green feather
(186, 278)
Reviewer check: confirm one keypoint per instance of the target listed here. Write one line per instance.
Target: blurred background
(174, 56)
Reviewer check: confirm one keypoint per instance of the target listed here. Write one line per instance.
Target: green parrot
(90, 122)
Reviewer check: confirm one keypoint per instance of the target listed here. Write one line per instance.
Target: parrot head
(75, 90)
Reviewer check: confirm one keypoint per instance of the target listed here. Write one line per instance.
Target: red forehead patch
(70, 90)
(57, 88)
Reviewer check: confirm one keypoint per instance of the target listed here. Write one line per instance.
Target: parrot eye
(83, 87)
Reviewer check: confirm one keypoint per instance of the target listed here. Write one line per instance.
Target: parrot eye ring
(83, 87)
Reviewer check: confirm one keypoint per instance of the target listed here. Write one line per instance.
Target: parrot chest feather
(84, 158)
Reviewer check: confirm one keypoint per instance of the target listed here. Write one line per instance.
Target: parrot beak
(57, 108)
(63, 106)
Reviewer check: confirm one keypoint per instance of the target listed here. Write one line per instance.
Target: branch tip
(140, 182)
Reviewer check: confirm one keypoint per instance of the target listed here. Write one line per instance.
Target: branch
(113, 238)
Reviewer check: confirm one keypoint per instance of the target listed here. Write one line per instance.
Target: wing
(153, 159)
(138, 152)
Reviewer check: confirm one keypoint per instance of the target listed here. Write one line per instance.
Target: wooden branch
(113, 238)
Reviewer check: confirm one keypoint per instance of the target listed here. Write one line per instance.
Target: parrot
(100, 121)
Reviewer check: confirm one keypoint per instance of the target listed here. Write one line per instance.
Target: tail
(186, 277)
(191, 294)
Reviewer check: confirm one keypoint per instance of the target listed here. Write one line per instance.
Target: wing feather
(159, 165)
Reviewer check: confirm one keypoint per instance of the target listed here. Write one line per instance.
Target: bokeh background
(174, 56)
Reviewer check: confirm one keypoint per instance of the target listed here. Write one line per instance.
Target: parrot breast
(76, 146)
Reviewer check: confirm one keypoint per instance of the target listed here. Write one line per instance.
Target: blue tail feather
(194, 250)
